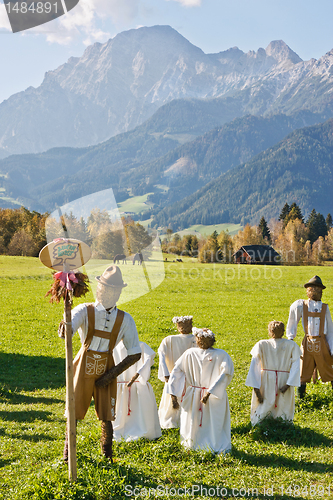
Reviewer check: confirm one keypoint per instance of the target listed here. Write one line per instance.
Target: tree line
(25, 233)
(297, 240)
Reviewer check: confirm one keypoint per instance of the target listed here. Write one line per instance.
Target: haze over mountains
(116, 86)
(174, 120)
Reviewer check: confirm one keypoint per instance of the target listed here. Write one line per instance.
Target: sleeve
(129, 335)
(177, 378)
(80, 321)
(221, 383)
(253, 378)
(148, 360)
(329, 330)
(294, 378)
(162, 366)
(295, 314)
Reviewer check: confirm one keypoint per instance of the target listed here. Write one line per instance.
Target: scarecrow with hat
(273, 373)
(101, 327)
(317, 344)
(205, 415)
(171, 348)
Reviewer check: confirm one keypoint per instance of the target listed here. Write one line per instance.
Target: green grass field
(201, 230)
(281, 462)
(135, 204)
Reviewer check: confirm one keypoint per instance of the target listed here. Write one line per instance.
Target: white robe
(203, 426)
(275, 362)
(171, 348)
(136, 409)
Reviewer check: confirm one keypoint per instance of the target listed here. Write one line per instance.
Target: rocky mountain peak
(282, 52)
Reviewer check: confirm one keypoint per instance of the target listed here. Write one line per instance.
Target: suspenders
(307, 315)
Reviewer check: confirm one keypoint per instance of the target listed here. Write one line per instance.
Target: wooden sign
(64, 253)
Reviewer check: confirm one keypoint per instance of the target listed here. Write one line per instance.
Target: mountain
(298, 169)
(118, 85)
(148, 159)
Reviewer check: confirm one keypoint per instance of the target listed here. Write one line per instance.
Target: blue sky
(212, 25)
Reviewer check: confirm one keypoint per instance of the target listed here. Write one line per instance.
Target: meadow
(272, 461)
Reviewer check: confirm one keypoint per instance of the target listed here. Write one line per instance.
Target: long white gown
(136, 409)
(275, 362)
(203, 426)
(171, 348)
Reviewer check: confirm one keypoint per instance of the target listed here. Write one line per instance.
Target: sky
(212, 25)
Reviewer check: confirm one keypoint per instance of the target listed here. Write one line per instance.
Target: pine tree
(329, 222)
(295, 213)
(264, 229)
(316, 225)
(284, 212)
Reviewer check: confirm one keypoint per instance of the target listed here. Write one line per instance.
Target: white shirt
(296, 313)
(104, 320)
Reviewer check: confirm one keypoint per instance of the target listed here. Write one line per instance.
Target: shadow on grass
(13, 397)
(22, 372)
(26, 416)
(277, 430)
(277, 461)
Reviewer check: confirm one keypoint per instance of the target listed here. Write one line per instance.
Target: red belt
(202, 389)
(129, 394)
(276, 381)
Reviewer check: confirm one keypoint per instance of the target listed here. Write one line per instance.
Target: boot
(301, 390)
(106, 438)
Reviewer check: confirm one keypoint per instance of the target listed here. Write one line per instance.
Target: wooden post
(70, 400)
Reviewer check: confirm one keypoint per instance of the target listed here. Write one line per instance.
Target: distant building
(256, 254)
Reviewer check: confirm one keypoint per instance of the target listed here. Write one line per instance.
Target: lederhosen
(315, 349)
(90, 365)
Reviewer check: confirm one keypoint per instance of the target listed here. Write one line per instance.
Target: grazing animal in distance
(119, 257)
(138, 257)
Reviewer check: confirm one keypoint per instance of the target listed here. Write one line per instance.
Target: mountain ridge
(116, 86)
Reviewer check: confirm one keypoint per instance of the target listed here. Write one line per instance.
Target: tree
(22, 244)
(295, 213)
(210, 251)
(316, 225)
(264, 229)
(329, 222)
(284, 212)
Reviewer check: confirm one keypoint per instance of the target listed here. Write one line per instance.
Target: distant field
(235, 302)
(202, 230)
(136, 204)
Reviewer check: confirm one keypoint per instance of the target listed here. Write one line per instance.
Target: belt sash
(276, 381)
(202, 389)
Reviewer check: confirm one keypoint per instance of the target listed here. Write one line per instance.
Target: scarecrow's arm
(117, 370)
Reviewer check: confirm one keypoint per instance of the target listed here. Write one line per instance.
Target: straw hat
(112, 277)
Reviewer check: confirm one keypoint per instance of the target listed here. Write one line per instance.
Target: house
(256, 254)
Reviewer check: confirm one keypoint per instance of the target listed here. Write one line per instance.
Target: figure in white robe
(205, 415)
(171, 348)
(273, 374)
(136, 409)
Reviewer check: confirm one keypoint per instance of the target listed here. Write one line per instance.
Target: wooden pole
(70, 400)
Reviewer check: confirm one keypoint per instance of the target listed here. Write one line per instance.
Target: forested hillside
(299, 168)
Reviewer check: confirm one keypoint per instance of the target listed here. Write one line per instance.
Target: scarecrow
(317, 344)
(136, 409)
(273, 373)
(171, 348)
(205, 415)
(101, 327)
